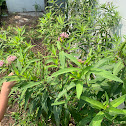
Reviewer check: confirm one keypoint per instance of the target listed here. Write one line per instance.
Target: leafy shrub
(58, 89)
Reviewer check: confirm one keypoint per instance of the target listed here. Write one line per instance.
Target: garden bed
(68, 76)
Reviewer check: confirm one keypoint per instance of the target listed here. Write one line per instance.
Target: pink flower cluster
(10, 59)
(1, 63)
(63, 35)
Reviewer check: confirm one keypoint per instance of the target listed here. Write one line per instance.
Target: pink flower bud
(58, 38)
(1, 63)
(10, 59)
(64, 35)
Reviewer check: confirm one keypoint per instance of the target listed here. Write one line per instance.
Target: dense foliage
(1, 1)
(81, 80)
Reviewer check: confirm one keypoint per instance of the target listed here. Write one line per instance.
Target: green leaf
(58, 45)
(57, 112)
(86, 70)
(109, 117)
(14, 78)
(31, 84)
(1, 1)
(107, 99)
(93, 102)
(72, 84)
(62, 59)
(64, 91)
(52, 66)
(97, 119)
(49, 61)
(24, 69)
(84, 121)
(60, 20)
(113, 110)
(29, 47)
(101, 62)
(118, 101)
(118, 66)
(65, 70)
(15, 69)
(58, 103)
(73, 59)
(79, 89)
(106, 74)
(19, 65)
(53, 50)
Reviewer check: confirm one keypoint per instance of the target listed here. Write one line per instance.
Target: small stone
(25, 19)
(21, 21)
(17, 17)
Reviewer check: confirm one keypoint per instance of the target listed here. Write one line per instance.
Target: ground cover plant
(82, 78)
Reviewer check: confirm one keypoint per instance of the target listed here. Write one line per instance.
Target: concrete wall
(121, 7)
(24, 5)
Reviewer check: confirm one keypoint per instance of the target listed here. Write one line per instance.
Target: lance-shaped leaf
(53, 50)
(65, 70)
(62, 93)
(96, 121)
(28, 64)
(118, 66)
(106, 74)
(93, 102)
(79, 89)
(118, 101)
(31, 84)
(113, 110)
(101, 62)
(62, 59)
(58, 45)
(58, 103)
(73, 59)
